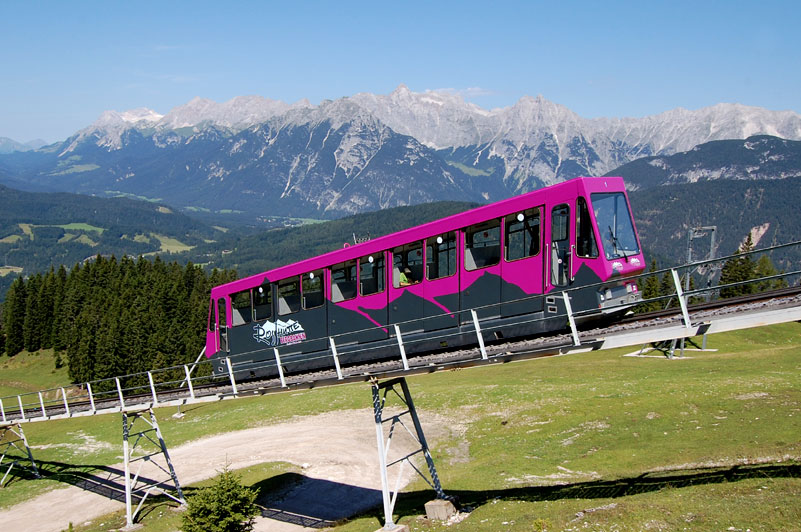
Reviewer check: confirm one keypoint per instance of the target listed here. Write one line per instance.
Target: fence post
(478, 333)
(119, 393)
(91, 397)
(189, 382)
(280, 368)
(41, 403)
(570, 319)
(336, 357)
(231, 375)
(21, 409)
(66, 403)
(682, 299)
(402, 348)
(153, 389)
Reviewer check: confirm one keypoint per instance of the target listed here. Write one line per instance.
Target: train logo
(279, 333)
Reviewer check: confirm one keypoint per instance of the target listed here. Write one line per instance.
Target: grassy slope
(592, 441)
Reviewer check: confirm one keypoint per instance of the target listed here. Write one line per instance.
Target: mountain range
(8, 145)
(261, 157)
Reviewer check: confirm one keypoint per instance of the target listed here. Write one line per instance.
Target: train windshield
(615, 225)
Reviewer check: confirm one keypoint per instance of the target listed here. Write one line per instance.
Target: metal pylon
(137, 485)
(10, 438)
(379, 400)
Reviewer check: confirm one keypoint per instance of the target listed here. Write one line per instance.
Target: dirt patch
(336, 451)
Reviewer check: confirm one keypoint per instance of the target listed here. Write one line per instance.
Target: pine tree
(765, 268)
(2, 338)
(227, 506)
(738, 269)
(650, 290)
(14, 317)
(667, 287)
(45, 310)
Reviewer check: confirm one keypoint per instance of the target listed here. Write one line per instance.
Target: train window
(523, 234)
(441, 256)
(212, 319)
(371, 274)
(263, 302)
(407, 264)
(313, 289)
(482, 245)
(343, 281)
(288, 296)
(241, 309)
(586, 246)
(614, 223)
(559, 219)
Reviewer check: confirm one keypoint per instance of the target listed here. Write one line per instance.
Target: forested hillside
(43, 230)
(112, 317)
(270, 249)
(768, 208)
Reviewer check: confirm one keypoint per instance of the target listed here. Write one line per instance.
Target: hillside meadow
(594, 441)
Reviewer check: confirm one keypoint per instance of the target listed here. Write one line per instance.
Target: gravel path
(336, 451)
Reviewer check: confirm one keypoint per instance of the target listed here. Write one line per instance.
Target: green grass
(171, 245)
(469, 170)
(593, 441)
(119, 194)
(26, 229)
(30, 372)
(84, 239)
(10, 239)
(5, 270)
(75, 226)
(76, 169)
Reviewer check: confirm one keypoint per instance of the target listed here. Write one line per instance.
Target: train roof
(436, 227)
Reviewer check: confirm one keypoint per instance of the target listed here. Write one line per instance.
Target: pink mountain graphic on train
(279, 333)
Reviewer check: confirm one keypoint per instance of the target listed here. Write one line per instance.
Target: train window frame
(241, 308)
(563, 212)
(489, 260)
(376, 264)
(449, 251)
(212, 323)
(401, 256)
(284, 291)
(264, 293)
(316, 296)
(337, 295)
(514, 225)
(584, 225)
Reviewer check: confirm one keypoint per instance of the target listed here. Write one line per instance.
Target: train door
(406, 293)
(222, 329)
(522, 263)
(372, 298)
(441, 285)
(560, 249)
(481, 270)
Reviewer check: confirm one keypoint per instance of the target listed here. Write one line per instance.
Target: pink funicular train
(507, 262)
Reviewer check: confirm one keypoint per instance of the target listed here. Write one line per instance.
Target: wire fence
(215, 377)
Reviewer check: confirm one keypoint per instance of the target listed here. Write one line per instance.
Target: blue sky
(64, 63)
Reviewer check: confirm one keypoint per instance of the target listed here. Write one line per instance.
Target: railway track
(631, 330)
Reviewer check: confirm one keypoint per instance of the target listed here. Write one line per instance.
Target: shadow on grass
(412, 503)
(313, 502)
(106, 481)
(319, 503)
